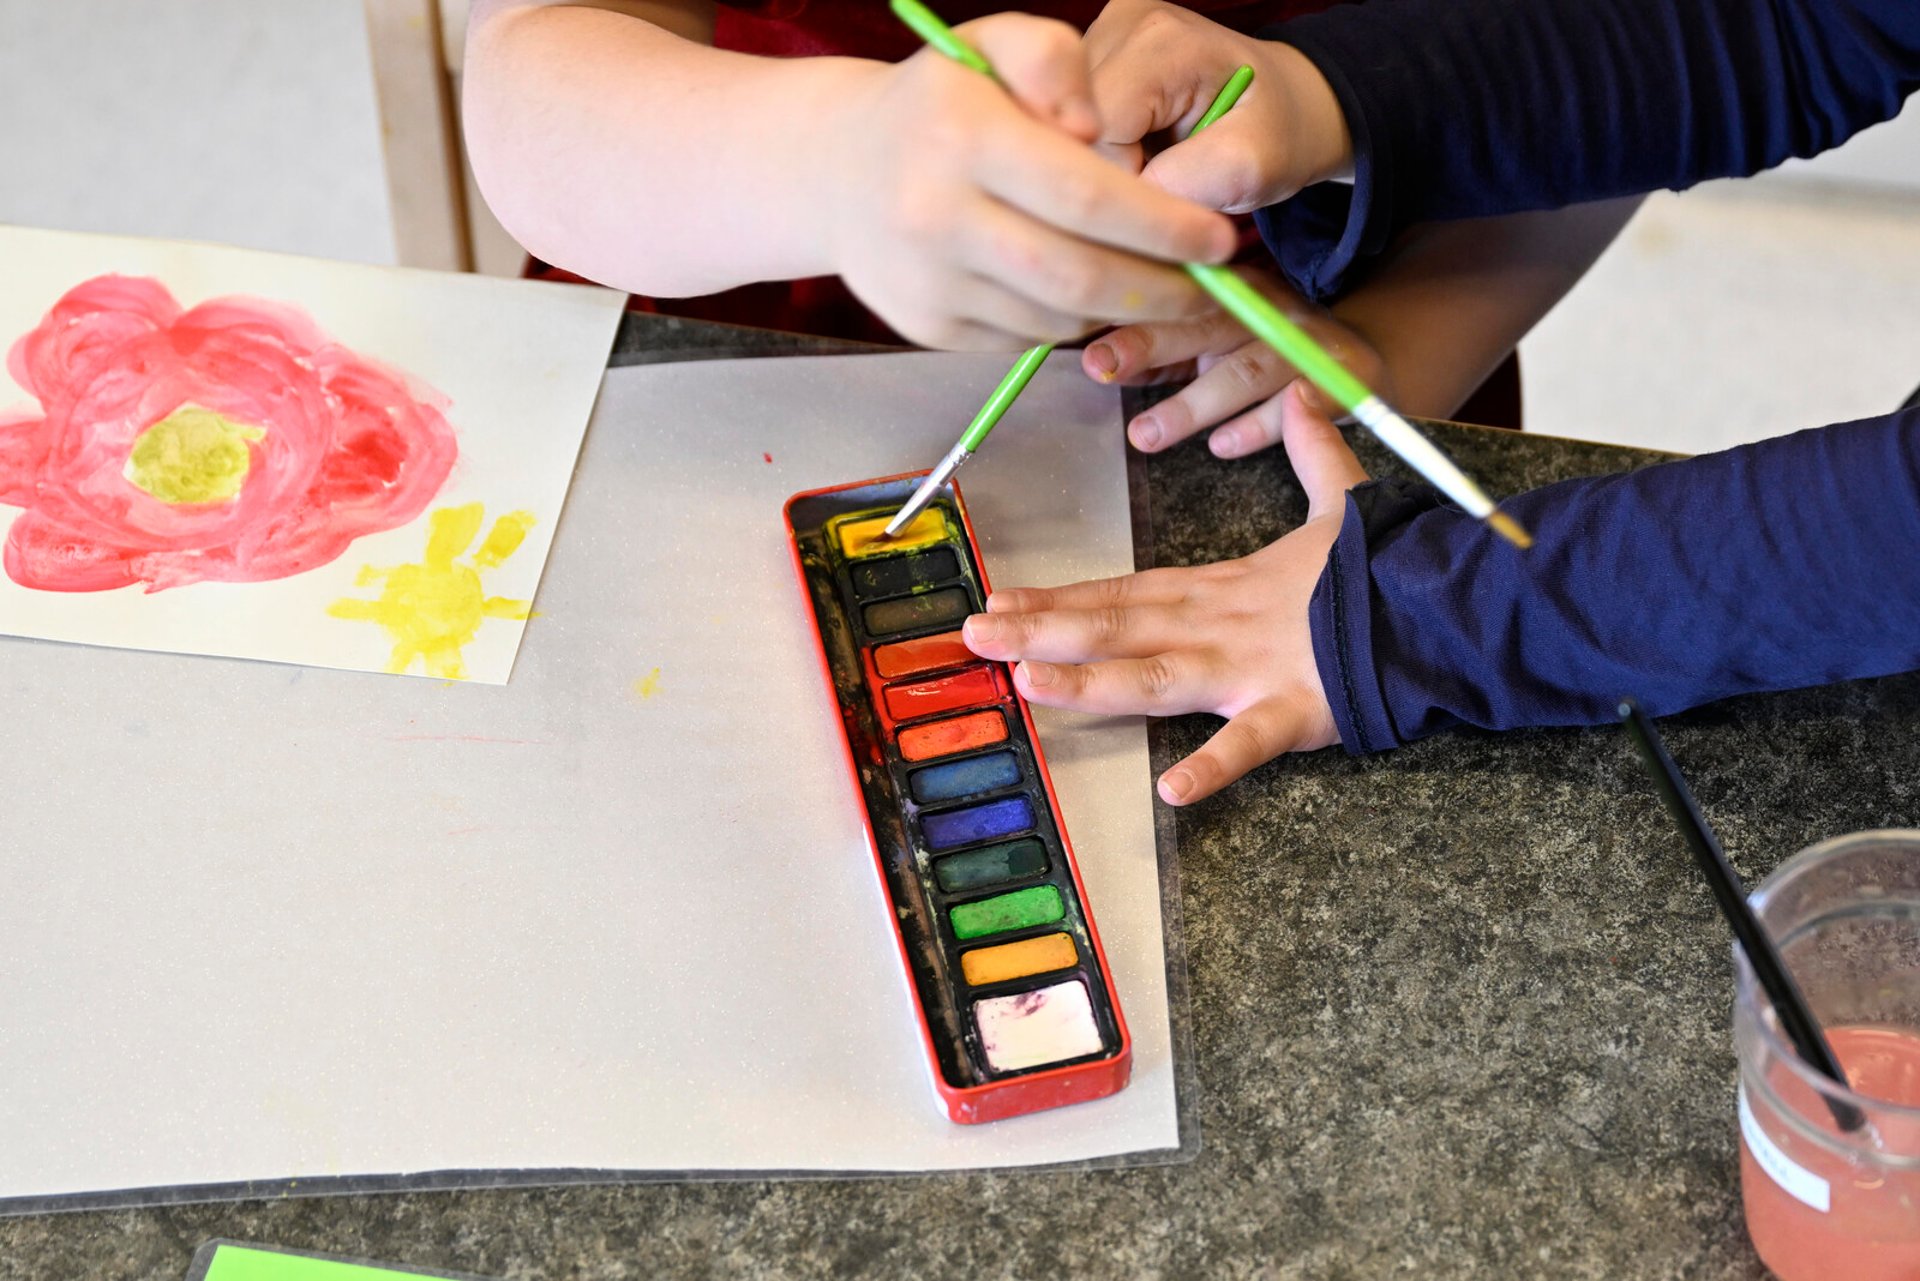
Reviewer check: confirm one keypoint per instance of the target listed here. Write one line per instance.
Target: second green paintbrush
(940, 36)
(1247, 305)
(1272, 327)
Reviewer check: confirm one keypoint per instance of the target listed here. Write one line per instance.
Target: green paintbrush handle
(1023, 370)
(929, 28)
(1271, 326)
(1223, 101)
(1004, 395)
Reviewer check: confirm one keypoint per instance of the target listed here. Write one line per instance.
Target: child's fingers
(1169, 684)
(1246, 742)
(1258, 428)
(990, 303)
(1148, 587)
(1246, 376)
(1043, 65)
(1112, 27)
(1128, 157)
(1180, 371)
(1034, 169)
(1220, 168)
(953, 334)
(1077, 635)
(1132, 351)
(1068, 275)
(1321, 458)
(1147, 75)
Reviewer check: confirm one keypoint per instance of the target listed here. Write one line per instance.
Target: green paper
(250, 1263)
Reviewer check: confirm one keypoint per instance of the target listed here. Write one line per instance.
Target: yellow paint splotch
(647, 686)
(434, 607)
(193, 456)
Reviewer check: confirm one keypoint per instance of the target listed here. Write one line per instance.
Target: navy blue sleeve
(1469, 108)
(1788, 563)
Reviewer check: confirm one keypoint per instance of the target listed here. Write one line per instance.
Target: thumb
(1216, 168)
(1320, 456)
(1044, 67)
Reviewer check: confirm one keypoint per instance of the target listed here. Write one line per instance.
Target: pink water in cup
(1824, 1203)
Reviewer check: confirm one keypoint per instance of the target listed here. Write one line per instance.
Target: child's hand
(977, 215)
(1157, 67)
(1230, 638)
(1239, 382)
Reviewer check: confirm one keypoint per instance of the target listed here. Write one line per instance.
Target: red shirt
(867, 29)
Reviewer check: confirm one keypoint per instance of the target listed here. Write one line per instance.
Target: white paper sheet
(262, 922)
(495, 380)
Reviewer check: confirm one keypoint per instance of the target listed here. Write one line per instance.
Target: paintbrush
(1789, 1005)
(1246, 304)
(1312, 361)
(941, 37)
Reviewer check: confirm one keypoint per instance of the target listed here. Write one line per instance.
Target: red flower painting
(233, 442)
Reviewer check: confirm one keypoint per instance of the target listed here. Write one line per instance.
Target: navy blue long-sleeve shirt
(1789, 563)
(1792, 562)
(1468, 108)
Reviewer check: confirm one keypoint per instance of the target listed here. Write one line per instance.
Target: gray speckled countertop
(1458, 1011)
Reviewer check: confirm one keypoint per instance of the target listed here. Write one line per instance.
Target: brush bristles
(1510, 529)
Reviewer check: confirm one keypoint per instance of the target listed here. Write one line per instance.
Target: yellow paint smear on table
(434, 607)
(863, 537)
(649, 685)
(1017, 960)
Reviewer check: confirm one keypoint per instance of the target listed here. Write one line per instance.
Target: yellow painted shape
(649, 685)
(862, 537)
(193, 456)
(435, 606)
(508, 533)
(1017, 960)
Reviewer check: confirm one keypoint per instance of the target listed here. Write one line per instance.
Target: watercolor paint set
(1017, 1010)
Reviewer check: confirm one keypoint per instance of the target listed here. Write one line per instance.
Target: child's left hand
(1230, 638)
(1239, 382)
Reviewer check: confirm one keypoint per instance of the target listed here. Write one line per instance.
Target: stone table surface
(1461, 1010)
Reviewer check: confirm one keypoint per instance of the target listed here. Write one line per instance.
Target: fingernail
(982, 628)
(1039, 675)
(1146, 433)
(1313, 398)
(1105, 361)
(1176, 785)
(1225, 443)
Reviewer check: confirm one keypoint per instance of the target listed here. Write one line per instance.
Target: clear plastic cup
(1824, 1203)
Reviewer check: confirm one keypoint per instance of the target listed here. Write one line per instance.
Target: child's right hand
(975, 215)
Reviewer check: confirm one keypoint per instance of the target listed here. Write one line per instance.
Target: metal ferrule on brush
(939, 476)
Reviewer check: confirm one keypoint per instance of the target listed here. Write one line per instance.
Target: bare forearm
(1451, 300)
(644, 159)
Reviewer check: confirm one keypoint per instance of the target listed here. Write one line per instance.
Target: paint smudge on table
(647, 686)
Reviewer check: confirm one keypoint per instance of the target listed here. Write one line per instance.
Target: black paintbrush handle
(1789, 1004)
